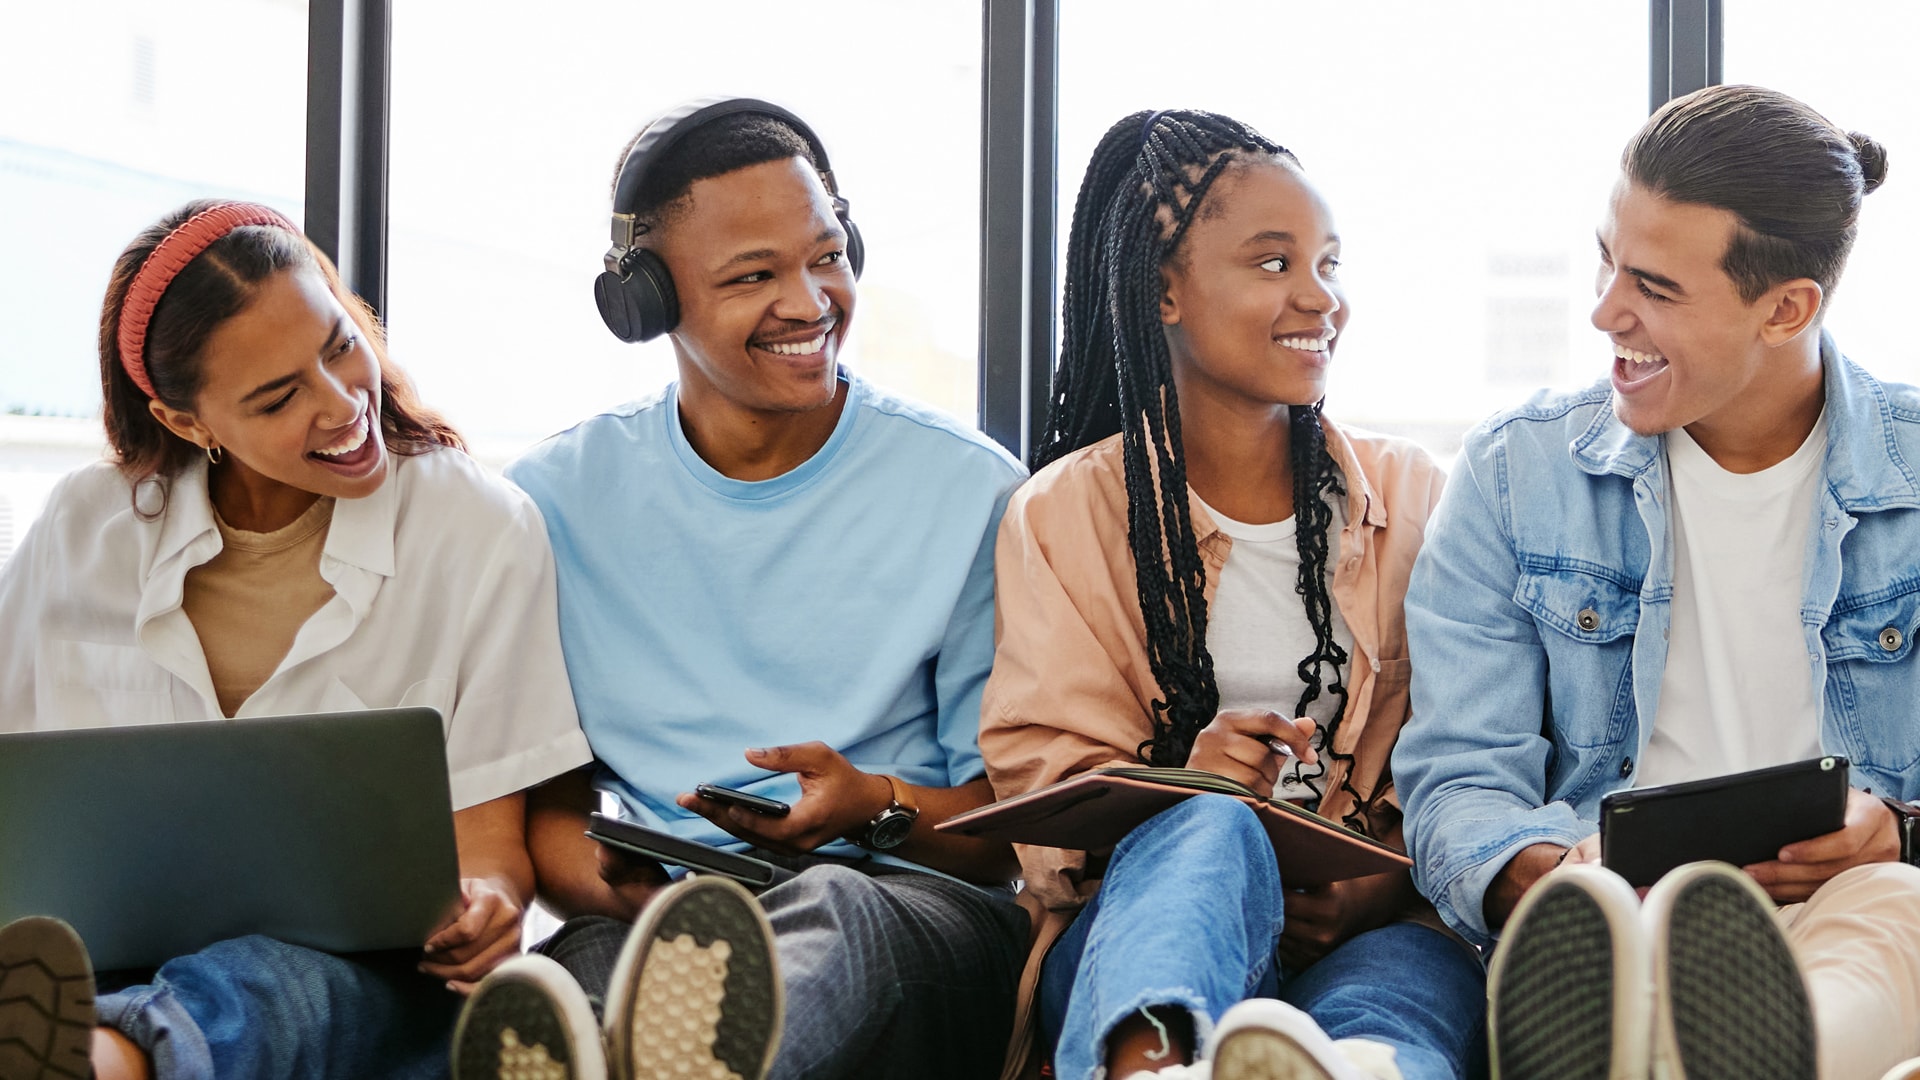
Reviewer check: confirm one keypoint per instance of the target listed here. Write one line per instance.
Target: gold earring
(213, 454)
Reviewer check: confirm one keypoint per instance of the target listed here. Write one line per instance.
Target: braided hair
(1144, 188)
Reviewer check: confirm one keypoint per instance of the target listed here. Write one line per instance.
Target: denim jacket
(1538, 612)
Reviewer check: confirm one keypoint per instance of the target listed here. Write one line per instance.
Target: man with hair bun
(773, 576)
(1704, 566)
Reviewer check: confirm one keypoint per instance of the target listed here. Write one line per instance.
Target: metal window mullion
(1016, 214)
(348, 43)
(1043, 230)
(1685, 42)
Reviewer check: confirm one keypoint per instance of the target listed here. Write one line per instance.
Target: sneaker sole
(46, 1002)
(1566, 989)
(696, 991)
(527, 1020)
(1729, 1000)
(1263, 1054)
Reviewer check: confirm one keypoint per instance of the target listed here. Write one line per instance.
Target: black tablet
(1742, 818)
(668, 848)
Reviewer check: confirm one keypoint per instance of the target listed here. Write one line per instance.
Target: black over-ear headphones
(635, 294)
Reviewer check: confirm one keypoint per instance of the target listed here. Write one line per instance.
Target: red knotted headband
(181, 247)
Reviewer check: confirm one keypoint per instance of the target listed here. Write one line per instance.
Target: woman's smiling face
(1253, 303)
(290, 392)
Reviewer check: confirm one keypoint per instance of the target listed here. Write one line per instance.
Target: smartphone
(769, 807)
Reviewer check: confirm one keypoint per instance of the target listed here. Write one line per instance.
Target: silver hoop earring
(213, 454)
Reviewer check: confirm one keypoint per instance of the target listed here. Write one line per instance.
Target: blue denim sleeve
(1472, 763)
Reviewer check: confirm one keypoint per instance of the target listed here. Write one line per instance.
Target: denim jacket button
(1626, 768)
(1588, 619)
(1891, 639)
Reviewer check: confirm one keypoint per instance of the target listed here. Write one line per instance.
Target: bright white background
(1466, 148)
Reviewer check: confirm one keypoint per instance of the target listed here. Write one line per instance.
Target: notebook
(1094, 810)
(331, 830)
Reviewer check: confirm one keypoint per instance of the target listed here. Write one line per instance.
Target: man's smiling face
(766, 293)
(1687, 348)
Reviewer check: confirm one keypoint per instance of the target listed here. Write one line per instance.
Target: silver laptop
(332, 831)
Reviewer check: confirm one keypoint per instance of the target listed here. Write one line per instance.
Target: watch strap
(902, 795)
(1905, 815)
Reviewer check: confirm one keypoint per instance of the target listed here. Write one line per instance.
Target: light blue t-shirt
(849, 600)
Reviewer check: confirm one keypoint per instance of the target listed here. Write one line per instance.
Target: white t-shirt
(443, 596)
(1738, 689)
(1257, 633)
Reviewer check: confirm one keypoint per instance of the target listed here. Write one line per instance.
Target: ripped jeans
(1188, 914)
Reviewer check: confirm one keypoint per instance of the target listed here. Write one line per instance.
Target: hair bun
(1873, 159)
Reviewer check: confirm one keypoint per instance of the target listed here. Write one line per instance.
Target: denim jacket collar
(1864, 467)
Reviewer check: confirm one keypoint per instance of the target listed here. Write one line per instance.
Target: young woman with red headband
(282, 528)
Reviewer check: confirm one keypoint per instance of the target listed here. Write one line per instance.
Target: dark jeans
(888, 972)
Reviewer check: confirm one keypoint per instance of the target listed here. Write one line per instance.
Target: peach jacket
(1071, 687)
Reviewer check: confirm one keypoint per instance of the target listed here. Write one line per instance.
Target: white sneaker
(1567, 989)
(1906, 1070)
(1263, 1039)
(1199, 1070)
(527, 1020)
(1728, 998)
(696, 993)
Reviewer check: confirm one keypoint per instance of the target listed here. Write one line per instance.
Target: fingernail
(756, 750)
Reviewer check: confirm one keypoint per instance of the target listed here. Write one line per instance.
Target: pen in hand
(1279, 747)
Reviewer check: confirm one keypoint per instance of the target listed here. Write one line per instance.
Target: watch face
(890, 830)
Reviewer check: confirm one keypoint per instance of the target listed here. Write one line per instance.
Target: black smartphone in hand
(769, 807)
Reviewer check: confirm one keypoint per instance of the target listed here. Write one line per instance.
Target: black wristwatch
(890, 827)
(1904, 817)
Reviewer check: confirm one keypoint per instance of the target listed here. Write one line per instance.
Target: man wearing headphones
(773, 577)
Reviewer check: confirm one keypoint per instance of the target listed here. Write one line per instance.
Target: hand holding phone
(768, 807)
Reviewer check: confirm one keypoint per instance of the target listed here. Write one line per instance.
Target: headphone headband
(666, 132)
(164, 263)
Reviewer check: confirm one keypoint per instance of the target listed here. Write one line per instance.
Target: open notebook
(1094, 810)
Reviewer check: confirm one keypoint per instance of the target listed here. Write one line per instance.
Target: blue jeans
(255, 1007)
(1188, 914)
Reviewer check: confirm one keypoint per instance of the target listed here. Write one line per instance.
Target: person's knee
(1213, 823)
(1874, 885)
(839, 895)
(1202, 835)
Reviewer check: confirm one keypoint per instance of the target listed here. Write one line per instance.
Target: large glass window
(116, 112)
(1857, 70)
(1466, 149)
(505, 134)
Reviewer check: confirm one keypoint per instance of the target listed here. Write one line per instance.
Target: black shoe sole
(1731, 1004)
(46, 1002)
(1563, 983)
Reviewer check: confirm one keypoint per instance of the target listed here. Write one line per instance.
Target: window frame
(348, 132)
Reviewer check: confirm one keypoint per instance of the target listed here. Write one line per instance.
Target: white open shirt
(444, 597)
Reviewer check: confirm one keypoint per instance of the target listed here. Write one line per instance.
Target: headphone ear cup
(856, 247)
(642, 305)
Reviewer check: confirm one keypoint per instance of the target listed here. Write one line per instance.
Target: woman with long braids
(282, 528)
(1207, 572)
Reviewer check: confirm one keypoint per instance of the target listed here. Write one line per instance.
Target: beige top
(249, 602)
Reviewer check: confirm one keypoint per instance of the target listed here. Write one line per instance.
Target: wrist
(892, 822)
(1512, 882)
